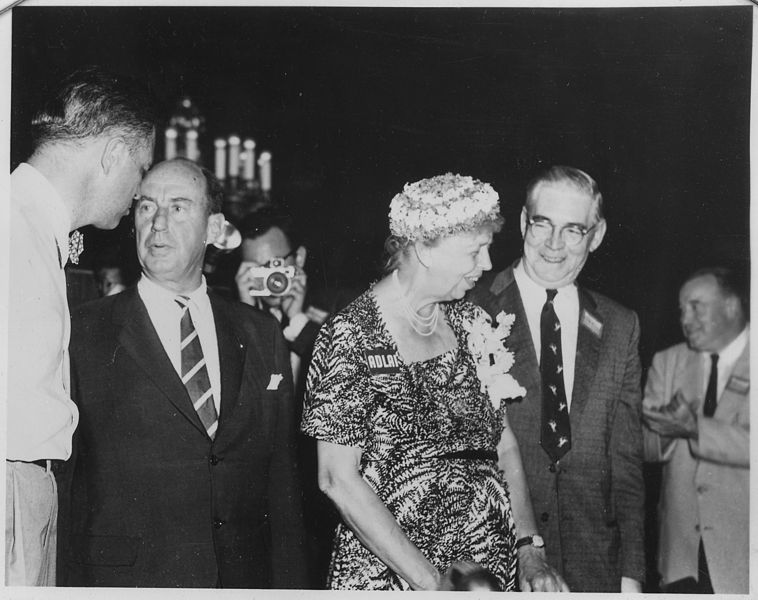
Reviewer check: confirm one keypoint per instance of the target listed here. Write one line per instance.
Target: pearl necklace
(422, 325)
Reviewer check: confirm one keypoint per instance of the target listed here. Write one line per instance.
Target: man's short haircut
(571, 176)
(257, 223)
(214, 189)
(91, 102)
(731, 282)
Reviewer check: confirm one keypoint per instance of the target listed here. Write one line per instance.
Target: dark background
(355, 102)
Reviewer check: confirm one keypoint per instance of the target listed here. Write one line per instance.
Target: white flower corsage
(493, 359)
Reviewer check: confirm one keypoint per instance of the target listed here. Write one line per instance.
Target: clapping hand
(677, 419)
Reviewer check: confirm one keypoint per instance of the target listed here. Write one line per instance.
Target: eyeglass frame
(584, 231)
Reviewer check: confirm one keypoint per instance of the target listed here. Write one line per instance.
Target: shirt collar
(153, 292)
(534, 291)
(734, 349)
(25, 176)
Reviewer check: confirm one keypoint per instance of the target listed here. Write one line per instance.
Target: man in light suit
(697, 412)
(579, 425)
(184, 471)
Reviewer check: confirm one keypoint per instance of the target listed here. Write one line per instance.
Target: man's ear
(597, 235)
(523, 222)
(214, 228)
(732, 305)
(114, 151)
(300, 255)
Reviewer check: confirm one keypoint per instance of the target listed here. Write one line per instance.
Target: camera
(274, 280)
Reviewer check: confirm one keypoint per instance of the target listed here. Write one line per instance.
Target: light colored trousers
(31, 524)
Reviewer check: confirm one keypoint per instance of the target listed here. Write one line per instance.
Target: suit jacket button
(544, 517)
(217, 523)
(552, 468)
(215, 460)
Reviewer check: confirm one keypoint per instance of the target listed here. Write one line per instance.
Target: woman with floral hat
(406, 396)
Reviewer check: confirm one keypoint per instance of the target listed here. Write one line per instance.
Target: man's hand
(676, 420)
(294, 301)
(244, 282)
(535, 574)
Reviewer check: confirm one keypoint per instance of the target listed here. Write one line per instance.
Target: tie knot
(551, 295)
(182, 301)
(714, 359)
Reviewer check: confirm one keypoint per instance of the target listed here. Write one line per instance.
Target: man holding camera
(184, 470)
(272, 278)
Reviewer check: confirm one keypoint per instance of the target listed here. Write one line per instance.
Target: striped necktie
(194, 372)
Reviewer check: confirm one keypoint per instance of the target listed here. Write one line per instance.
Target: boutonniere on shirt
(276, 379)
(493, 359)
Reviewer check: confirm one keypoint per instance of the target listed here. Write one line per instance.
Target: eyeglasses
(542, 229)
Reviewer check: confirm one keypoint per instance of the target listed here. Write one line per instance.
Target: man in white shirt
(579, 426)
(92, 143)
(697, 412)
(184, 470)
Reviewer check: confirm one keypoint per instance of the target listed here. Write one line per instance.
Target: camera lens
(277, 283)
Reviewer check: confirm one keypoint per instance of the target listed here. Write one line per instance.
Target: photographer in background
(272, 278)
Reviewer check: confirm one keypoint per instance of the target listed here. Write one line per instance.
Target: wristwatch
(535, 540)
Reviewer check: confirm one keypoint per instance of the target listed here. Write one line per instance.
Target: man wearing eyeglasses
(269, 244)
(579, 425)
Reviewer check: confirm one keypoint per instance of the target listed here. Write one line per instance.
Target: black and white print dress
(428, 436)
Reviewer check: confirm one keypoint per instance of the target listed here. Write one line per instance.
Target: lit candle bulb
(171, 135)
(249, 164)
(220, 158)
(264, 162)
(234, 156)
(190, 145)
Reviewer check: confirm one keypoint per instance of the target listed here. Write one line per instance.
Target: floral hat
(442, 205)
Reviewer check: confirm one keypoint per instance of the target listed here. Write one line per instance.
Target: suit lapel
(691, 380)
(505, 296)
(589, 338)
(141, 342)
(231, 357)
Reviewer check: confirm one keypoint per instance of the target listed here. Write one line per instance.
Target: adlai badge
(591, 322)
(739, 385)
(382, 360)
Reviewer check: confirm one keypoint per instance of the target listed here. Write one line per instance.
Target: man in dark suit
(184, 472)
(579, 426)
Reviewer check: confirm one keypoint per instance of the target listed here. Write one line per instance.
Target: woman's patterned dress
(405, 417)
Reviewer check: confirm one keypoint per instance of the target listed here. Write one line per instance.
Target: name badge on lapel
(591, 322)
(382, 361)
(737, 384)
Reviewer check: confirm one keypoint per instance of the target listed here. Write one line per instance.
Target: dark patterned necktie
(194, 372)
(709, 407)
(555, 433)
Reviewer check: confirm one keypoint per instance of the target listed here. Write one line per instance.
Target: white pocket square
(276, 379)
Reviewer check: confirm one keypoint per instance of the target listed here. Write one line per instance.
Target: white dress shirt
(728, 357)
(566, 305)
(166, 315)
(41, 416)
